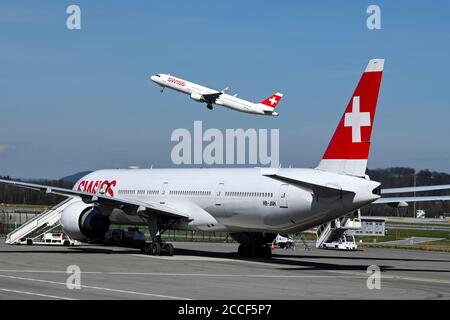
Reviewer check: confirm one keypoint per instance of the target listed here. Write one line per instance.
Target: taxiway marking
(97, 288)
(36, 294)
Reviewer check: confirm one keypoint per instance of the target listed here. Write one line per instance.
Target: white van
(57, 238)
(342, 244)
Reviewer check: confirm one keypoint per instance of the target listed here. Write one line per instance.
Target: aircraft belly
(235, 106)
(120, 217)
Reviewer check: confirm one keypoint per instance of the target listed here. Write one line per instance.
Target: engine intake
(197, 97)
(84, 222)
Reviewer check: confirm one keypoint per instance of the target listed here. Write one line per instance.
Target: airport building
(370, 226)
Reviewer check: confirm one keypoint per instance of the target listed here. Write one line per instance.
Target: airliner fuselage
(233, 199)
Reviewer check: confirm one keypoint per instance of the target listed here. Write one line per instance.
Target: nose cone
(154, 78)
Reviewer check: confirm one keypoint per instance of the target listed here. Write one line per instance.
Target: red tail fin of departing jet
(348, 150)
(273, 100)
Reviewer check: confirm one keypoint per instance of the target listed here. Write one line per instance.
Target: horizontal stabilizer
(416, 189)
(411, 199)
(326, 191)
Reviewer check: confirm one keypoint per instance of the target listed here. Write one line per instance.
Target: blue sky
(80, 100)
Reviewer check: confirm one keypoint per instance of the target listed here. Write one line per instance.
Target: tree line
(407, 177)
(10, 194)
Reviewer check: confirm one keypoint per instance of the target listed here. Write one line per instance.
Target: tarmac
(213, 271)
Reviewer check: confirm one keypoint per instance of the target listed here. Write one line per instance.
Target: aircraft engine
(84, 222)
(197, 97)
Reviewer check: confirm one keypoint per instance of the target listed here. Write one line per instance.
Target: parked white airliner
(211, 96)
(253, 205)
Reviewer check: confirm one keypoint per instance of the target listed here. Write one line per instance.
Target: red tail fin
(348, 150)
(273, 100)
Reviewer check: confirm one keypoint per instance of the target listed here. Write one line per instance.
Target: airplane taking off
(210, 96)
(252, 205)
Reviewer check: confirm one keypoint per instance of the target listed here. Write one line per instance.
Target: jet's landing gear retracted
(157, 246)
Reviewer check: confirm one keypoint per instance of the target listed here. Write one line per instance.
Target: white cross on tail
(273, 100)
(356, 120)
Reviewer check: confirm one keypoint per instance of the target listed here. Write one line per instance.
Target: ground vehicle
(284, 241)
(132, 237)
(49, 238)
(56, 238)
(344, 243)
(420, 214)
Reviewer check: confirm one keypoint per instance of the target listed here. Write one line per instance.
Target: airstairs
(49, 218)
(335, 229)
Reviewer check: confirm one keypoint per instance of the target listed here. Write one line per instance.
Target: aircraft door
(164, 192)
(282, 198)
(219, 194)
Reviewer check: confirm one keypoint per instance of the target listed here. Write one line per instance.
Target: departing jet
(211, 96)
(252, 204)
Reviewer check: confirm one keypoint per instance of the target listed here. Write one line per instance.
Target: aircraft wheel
(169, 249)
(240, 250)
(267, 252)
(156, 249)
(146, 249)
(243, 251)
(209, 106)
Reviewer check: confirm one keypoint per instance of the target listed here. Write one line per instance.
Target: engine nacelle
(84, 222)
(197, 97)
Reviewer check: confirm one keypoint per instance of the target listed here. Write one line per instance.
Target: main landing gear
(254, 244)
(157, 247)
(209, 106)
(254, 251)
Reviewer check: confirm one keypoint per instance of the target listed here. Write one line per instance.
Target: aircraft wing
(415, 189)
(105, 200)
(411, 199)
(211, 97)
